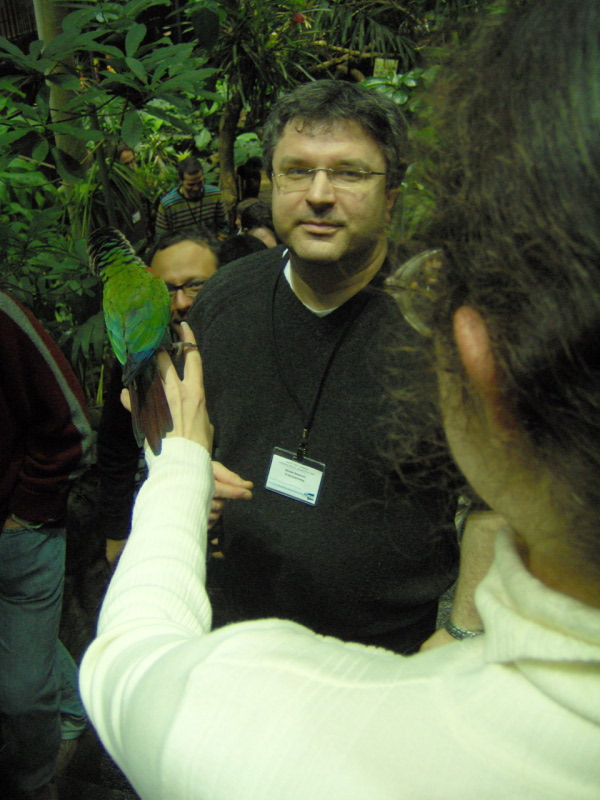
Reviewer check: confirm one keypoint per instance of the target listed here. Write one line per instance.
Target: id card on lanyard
(300, 480)
(293, 474)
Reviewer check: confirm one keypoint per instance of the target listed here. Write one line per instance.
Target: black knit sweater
(367, 562)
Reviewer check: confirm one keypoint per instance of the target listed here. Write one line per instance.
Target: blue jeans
(38, 678)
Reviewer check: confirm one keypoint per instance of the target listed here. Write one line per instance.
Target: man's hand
(228, 486)
(114, 548)
(437, 639)
(476, 553)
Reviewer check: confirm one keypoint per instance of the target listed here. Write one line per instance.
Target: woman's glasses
(413, 284)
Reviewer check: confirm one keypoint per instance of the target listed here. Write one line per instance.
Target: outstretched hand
(190, 419)
(186, 398)
(228, 486)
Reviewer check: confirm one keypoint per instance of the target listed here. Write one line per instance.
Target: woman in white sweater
(270, 710)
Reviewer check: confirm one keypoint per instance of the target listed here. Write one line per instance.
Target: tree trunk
(48, 18)
(227, 135)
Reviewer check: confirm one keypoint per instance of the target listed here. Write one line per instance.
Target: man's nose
(320, 191)
(181, 301)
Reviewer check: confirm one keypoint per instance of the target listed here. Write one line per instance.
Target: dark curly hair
(323, 103)
(200, 236)
(517, 182)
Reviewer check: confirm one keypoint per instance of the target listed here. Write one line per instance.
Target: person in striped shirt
(192, 204)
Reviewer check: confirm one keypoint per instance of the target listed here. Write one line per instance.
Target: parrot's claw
(177, 348)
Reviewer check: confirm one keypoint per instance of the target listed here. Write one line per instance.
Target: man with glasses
(293, 346)
(193, 204)
(185, 260)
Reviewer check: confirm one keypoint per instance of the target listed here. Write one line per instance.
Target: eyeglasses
(190, 289)
(413, 285)
(299, 179)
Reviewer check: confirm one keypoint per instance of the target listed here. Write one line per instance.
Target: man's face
(192, 185)
(327, 225)
(184, 264)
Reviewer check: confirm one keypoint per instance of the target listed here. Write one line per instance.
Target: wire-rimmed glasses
(412, 286)
(299, 179)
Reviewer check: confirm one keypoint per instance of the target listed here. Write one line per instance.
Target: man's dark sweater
(368, 562)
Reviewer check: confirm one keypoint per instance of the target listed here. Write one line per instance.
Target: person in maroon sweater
(45, 440)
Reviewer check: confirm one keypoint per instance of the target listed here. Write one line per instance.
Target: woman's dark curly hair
(517, 182)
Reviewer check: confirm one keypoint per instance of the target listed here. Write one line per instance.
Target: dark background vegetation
(170, 79)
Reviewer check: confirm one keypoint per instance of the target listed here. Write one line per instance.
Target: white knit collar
(287, 271)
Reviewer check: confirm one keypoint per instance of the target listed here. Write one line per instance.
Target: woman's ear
(475, 349)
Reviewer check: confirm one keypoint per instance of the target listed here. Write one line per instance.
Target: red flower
(298, 18)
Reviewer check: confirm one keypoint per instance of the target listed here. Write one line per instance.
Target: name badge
(300, 480)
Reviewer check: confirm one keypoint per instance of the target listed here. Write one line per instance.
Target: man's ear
(475, 349)
(390, 200)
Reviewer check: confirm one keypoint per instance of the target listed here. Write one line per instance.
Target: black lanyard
(310, 415)
(197, 222)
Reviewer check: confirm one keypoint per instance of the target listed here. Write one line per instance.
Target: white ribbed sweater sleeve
(156, 600)
(154, 580)
(267, 710)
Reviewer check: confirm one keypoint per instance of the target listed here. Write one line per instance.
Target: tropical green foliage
(105, 77)
(407, 90)
(116, 81)
(103, 58)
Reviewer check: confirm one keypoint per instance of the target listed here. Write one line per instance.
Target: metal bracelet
(460, 633)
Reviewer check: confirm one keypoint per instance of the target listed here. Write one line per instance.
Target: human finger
(226, 476)
(186, 400)
(191, 354)
(226, 491)
(166, 366)
(216, 506)
(126, 399)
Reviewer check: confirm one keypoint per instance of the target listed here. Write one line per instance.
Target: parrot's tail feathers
(150, 413)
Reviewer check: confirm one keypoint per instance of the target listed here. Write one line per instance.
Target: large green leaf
(35, 48)
(137, 68)
(77, 19)
(11, 48)
(23, 178)
(202, 139)
(13, 136)
(87, 134)
(40, 151)
(135, 36)
(181, 124)
(42, 102)
(132, 129)
(70, 41)
(64, 80)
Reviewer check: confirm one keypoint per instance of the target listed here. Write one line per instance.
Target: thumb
(224, 475)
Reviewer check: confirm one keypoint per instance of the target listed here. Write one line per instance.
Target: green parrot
(137, 310)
